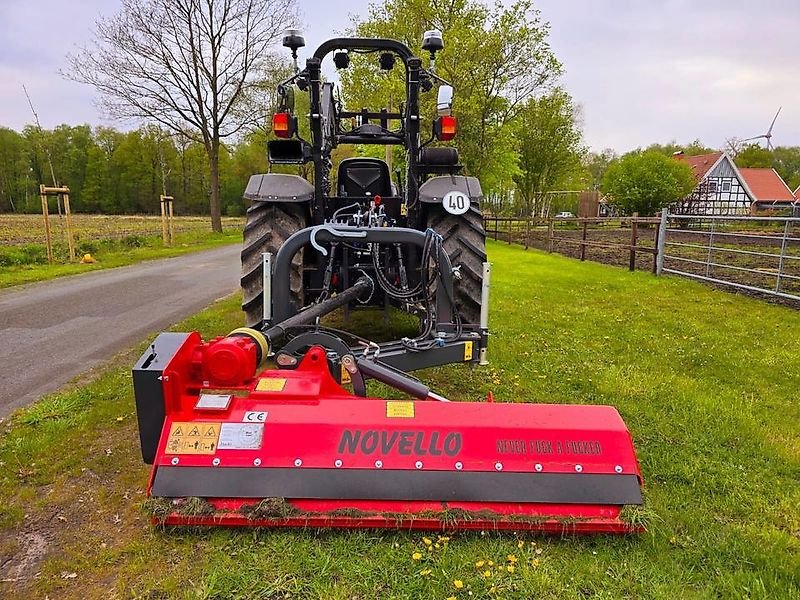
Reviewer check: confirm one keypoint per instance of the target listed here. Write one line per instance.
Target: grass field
(705, 380)
(113, 240)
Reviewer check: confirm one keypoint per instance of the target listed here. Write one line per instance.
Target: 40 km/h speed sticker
(455, 202)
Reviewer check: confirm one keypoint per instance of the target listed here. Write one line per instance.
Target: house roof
(767, 185)
(701, 163)
(797, 192)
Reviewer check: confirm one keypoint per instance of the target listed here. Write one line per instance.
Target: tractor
(301, 443)
(418, 237)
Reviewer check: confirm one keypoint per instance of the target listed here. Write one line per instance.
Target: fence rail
(622, 236)
(766, 261)
(753, 254)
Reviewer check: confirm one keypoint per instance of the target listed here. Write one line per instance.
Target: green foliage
(786, 161)
(754, 155)
(547, 140)
(115, 172)
(692, 149)
(497, 57)
(644, 182)
(597, 163)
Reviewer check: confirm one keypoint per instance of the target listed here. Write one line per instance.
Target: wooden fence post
(171, 221)
(68, 214)
(634, 238)
(163, 220)
(583, 239)
(46, 215)
(527, 232)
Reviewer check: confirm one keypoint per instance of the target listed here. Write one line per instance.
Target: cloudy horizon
(678, 71)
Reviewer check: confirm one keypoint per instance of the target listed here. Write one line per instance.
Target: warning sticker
(346, 376)
(241, 436)
(193, 438)
(467, 350)
(213, 401)
(403, 409)
(271, 384)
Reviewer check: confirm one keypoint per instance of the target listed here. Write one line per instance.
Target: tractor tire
(266, 228)
(465, 244)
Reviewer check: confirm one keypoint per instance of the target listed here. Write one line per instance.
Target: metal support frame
(266, 273)
(485, 284)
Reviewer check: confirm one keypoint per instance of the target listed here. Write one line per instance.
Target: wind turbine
(767, 136)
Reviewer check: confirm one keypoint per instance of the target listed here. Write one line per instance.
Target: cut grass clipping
(705, 380)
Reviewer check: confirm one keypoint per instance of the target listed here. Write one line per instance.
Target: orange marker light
(446, 127)
(282, 124)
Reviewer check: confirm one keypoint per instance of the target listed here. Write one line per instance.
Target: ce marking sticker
(253, 416)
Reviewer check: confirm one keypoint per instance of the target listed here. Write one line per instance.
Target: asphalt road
(53, 331)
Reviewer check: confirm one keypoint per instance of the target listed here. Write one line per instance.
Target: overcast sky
(643, 71)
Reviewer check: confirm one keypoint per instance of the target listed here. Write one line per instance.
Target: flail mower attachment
(232, 445)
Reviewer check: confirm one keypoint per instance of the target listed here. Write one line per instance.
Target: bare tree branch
(192, 66)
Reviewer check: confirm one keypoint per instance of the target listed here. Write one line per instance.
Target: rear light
(283, 124)
(445, 128)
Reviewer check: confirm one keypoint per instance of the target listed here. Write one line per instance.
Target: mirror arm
(433, 75)
(292, 79)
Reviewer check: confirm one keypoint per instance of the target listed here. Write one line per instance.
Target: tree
(496, 58)
(547, 139)
(644, 182)
(188, 65)
(597, 163)
(13, 170)
(786, 161)
(692, 149)
(753, 155)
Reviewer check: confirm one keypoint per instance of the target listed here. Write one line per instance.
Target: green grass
(107, 253)
(706, 381)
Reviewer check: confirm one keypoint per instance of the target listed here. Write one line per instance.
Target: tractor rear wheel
(465, 244)
(267, 227)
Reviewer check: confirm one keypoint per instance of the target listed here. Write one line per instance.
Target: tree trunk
(214, 200)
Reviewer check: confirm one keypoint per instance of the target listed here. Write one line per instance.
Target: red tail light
(282, 124)
(445, 128)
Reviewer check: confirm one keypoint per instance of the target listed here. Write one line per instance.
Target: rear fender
(278, 187)
(436, 188)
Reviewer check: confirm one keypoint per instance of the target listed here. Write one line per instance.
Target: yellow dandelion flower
(479, 564)
(436, 545)
(444, 538)
(535, 562)
(416, 556)
(510, 568)
(451, 598)
(487, 573)
(520, 544)
(425, 572)
(491, 563)
(458, 583)
(511, 558)
(430, 548)
(427, 541)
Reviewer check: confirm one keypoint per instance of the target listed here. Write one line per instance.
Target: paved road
(52, 331)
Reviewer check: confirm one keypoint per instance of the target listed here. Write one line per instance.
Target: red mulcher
(233, 444)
